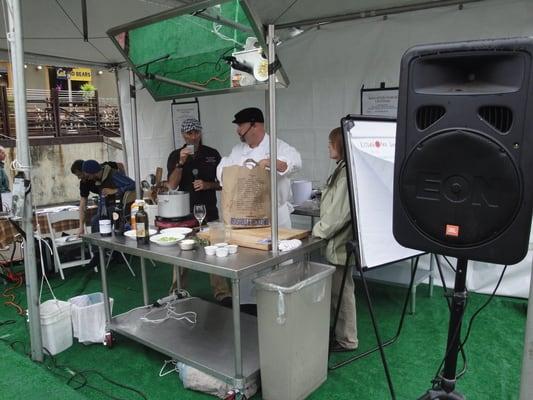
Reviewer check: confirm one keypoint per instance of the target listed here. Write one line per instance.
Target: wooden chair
(57, 224)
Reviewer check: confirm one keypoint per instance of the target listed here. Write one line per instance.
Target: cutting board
(259, 238)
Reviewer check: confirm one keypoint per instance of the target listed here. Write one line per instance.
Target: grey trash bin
(293, 314)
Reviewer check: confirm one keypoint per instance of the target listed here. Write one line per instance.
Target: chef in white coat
(255, 145)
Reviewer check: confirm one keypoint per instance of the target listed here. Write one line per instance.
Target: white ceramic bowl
(222, 251)
(232, 248)
(187, 244)
(132, 234)
(210, 250)
(176, 231)
(221, 244)
(165, 240)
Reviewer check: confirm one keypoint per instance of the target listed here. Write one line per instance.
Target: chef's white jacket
(241, 152)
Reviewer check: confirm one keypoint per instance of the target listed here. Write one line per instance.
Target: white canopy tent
(327, 66)
(54, 28)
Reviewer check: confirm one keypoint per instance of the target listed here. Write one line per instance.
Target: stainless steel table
(208, 344)
(313, 212)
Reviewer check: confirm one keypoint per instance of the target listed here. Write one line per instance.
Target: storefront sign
(76, 74)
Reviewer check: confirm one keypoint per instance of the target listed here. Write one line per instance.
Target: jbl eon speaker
(464, 150)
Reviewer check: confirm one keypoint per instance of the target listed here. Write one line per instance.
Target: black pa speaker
(463, 169)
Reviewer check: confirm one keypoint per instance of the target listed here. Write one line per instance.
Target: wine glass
(199, 214)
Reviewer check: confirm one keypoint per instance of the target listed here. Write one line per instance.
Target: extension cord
(164, 300)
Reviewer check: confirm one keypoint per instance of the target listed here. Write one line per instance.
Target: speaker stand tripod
(445, 387)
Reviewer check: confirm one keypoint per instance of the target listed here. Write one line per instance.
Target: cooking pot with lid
(173, 204)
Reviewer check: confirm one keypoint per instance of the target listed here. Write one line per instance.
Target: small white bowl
(210, 250)
(187, 244)
(232, 248)
(222, 244)
(222, 251)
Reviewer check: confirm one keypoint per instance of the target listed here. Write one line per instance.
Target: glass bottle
(118, 219)
(104, 220)
(141, 225)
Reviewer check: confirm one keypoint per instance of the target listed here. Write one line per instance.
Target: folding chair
(57, 224)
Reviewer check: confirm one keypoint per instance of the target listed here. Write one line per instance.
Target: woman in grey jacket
(335, 226)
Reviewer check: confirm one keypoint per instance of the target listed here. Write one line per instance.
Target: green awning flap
(209, 47)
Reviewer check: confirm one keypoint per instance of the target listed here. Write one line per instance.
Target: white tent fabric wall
(326, 68)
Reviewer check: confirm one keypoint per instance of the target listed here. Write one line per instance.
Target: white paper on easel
(372, 145)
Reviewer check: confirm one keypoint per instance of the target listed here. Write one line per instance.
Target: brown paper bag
(245, 197)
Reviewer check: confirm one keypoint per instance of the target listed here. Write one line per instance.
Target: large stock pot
(173, 204)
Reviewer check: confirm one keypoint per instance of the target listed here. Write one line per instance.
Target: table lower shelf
(398, 275)
(207, 345)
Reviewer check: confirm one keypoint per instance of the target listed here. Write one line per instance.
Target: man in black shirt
(192, 168)
(88, 186)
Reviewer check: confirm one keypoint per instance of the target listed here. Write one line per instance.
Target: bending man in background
(108, 182)
(88, 186)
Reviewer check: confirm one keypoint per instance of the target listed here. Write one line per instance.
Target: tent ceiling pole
(373, 13)
(36, 58)
(23, 155)
(162, 78)
(203, 14)
(273, 140)
(223, 21)
(135, 136)
(121, 122)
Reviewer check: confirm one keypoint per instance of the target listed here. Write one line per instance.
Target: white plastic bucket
(88, 317)
(56, 325)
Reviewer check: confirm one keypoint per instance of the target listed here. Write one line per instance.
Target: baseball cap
(251, 114)
(91, 167)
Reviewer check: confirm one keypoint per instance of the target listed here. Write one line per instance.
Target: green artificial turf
(494, 350)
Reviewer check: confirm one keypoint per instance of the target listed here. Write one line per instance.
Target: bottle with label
(118, 219)
(133, 211)
(141, 225)
(104, 220)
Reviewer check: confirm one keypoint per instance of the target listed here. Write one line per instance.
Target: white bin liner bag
(292, 279)
(88, 317)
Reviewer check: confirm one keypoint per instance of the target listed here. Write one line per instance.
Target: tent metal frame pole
(526, 384)
(135, 135)
(121, 122)
(370, 13)
(273, 139)
(23, 155)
